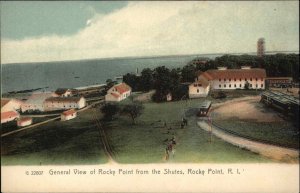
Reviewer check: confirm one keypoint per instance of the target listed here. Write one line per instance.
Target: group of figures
(170, 148)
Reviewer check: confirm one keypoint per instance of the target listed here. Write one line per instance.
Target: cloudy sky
(71, 30)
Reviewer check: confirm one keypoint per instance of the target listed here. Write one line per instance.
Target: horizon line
(145, 57)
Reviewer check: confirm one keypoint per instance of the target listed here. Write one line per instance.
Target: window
(256, 85)
(219, 79)
(199, 84)
(234, 85)
(234, 79)
(240, 79)
(224, 79)
(250, 85)
(245, 79)
(256, 79)
(229, 79)
(219, 86)
(262, 85)
(229, 85)
(240, 85)
(224, 85)
(197, 90)
(262, 79)
(195, 85)
(250, 79)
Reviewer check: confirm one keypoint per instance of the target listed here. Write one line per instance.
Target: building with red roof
(9, 116)
(24, 121)
(9, 104)
(69, 114)
(227, 79)
(118, 92)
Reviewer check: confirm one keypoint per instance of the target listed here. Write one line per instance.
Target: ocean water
(70, 74)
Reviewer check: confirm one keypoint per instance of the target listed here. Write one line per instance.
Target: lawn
(77, 141)
(145, 141)
(71, 142)
(282, 132)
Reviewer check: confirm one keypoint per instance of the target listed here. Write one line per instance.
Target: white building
(61, 103)
(36, 102)
(25, 121)
(199, 88)
(118, 92)
(227, 79)
(69, 114)
(10, 105)
(9, 116)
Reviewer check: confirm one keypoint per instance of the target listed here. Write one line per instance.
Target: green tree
(132, 80)
(247, 85)
(110, 110)
(188, 73)
(133, 110)
(146, 80)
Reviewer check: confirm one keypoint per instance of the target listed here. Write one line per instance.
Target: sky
(73, 30)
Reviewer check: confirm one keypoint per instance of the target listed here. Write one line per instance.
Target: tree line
(165, 80)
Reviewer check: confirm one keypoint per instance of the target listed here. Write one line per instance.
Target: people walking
(167, 153)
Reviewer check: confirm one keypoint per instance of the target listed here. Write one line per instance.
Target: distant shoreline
(158, 56)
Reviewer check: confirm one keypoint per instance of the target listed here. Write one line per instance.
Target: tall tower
(261, 47)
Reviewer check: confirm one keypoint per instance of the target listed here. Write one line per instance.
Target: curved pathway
(271, 151)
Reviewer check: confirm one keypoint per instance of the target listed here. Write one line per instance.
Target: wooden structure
(280, 101)
(279, 82)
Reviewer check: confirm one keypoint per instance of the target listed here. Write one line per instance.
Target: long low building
(62, 103)
(36, 102)
(88, 90)
(227, 79)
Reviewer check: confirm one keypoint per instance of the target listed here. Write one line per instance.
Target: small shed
(169, 96)
(69, 114)
(25, 121)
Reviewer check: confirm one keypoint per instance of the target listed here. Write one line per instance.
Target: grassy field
(281, 133)
(71, 142)
(145, 141)
(77, 141)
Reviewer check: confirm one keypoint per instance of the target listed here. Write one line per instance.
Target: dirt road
(271, 151)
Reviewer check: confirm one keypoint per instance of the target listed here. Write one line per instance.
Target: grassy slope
(144, 142)
(71, 142)
(282, 133)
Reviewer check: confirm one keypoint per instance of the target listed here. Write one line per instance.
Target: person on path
(167, 153)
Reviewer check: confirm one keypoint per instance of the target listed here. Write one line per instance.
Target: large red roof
(122, 88)
(115, 95)
(9, 114)
(237, 73)
(69, 112)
